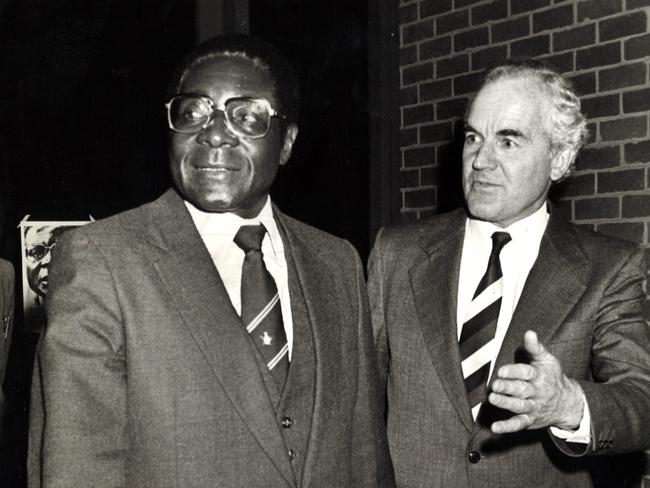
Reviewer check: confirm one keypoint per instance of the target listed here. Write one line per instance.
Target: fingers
(513, 404)
(535, 348)
(517, 371)
(517, 388)
(513, 424)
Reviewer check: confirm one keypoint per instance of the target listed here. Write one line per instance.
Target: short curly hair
(263, 54)
(568, 125)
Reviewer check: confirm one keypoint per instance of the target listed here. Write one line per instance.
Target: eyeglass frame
(214, 108)
(48, 249)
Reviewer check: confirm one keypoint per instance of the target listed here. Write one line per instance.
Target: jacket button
(292, 453)
(474, 457)
(286, 422)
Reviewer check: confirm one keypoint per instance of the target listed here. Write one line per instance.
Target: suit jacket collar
(556, 281)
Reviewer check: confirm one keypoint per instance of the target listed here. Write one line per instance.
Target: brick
(566, 208)
(573, 38)
(407, 55)
(510, 29)
(563, 62)
(489, 57)
(467, 83)
(449, 155)
(465, 3)
(419, 156)
(407, 14)
(600, 55)
(408, 137)
(482, 14)
(409, 178)
(598, 158)
(434, 7)
(417, 32)
(452, 66)
(435, 48)
(621, 77)
(435, 133)
(520, 6)
(407, 217)
(596, 208)
(632, 4)
(532, 46)
(418, 72)
(553, 18)
(584, 84)
(420, 198)
(622, 26)
(625, 180)
(436, 90)
(429, 175)
(417, 115)
(472, 38)
(637, 152)
(452, 22)
(592, 129)
(628, 231)
(622, 129)
(636, 101)
(602, 106)
(451, 108)
(595, 9)
(636, 206)
(408, 96)
(578, 185)
(637, 47)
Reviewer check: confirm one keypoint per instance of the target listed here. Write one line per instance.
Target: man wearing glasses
(206, 339)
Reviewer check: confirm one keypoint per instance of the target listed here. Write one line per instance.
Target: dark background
(83, 129)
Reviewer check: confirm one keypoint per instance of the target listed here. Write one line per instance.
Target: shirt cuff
(583, 433)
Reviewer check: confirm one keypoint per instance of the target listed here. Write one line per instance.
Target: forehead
(510, 103)
(227, 76)
(38, 234)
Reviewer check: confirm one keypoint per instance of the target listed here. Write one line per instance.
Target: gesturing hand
(538, 393)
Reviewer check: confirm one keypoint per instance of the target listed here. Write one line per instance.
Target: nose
(217, 133)
(46, 259)
(484, 157)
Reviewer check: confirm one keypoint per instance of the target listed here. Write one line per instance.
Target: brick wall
(602, 45)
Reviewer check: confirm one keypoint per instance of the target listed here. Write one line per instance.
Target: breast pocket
(571, 345)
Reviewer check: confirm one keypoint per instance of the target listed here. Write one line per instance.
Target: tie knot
(499, 239)
(250, 237)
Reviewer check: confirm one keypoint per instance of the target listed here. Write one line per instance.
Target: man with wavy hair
(511, 342)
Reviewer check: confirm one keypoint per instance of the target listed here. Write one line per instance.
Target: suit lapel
(556, 281)
(436, 303)
(318, 286)
(192, 280)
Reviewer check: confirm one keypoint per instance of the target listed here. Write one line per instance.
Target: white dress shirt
(517, 259)
(218, 231)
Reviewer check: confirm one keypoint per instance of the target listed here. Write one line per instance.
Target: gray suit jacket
(146, 377)
(7, 300)
(583, 297)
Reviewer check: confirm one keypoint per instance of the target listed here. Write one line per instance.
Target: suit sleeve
(619, 395)
(369, 443)
(78, 412)
(376, 294)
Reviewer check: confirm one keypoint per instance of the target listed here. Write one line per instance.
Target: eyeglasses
(244, 117)
(39, 251)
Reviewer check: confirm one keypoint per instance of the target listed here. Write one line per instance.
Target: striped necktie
(260, 303)
(477, 334)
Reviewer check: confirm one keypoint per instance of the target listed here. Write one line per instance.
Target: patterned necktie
(480, 326)
(260, 303)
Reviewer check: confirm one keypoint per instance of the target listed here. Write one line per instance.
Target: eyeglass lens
(38, 251)
(245, 117)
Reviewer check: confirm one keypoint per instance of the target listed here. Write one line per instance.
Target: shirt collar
(530, 228)
(226, 224)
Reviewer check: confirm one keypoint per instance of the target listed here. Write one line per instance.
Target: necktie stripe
(278, 357)
(485, 299)
(260, 316)
(476, 343)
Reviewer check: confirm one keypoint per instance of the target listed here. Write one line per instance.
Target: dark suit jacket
(146, 376)
(7, 285)
(583, 297)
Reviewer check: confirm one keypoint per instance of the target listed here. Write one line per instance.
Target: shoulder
(6, 270)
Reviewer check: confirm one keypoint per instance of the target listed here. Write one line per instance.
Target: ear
(289, 138)
(561, 162)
